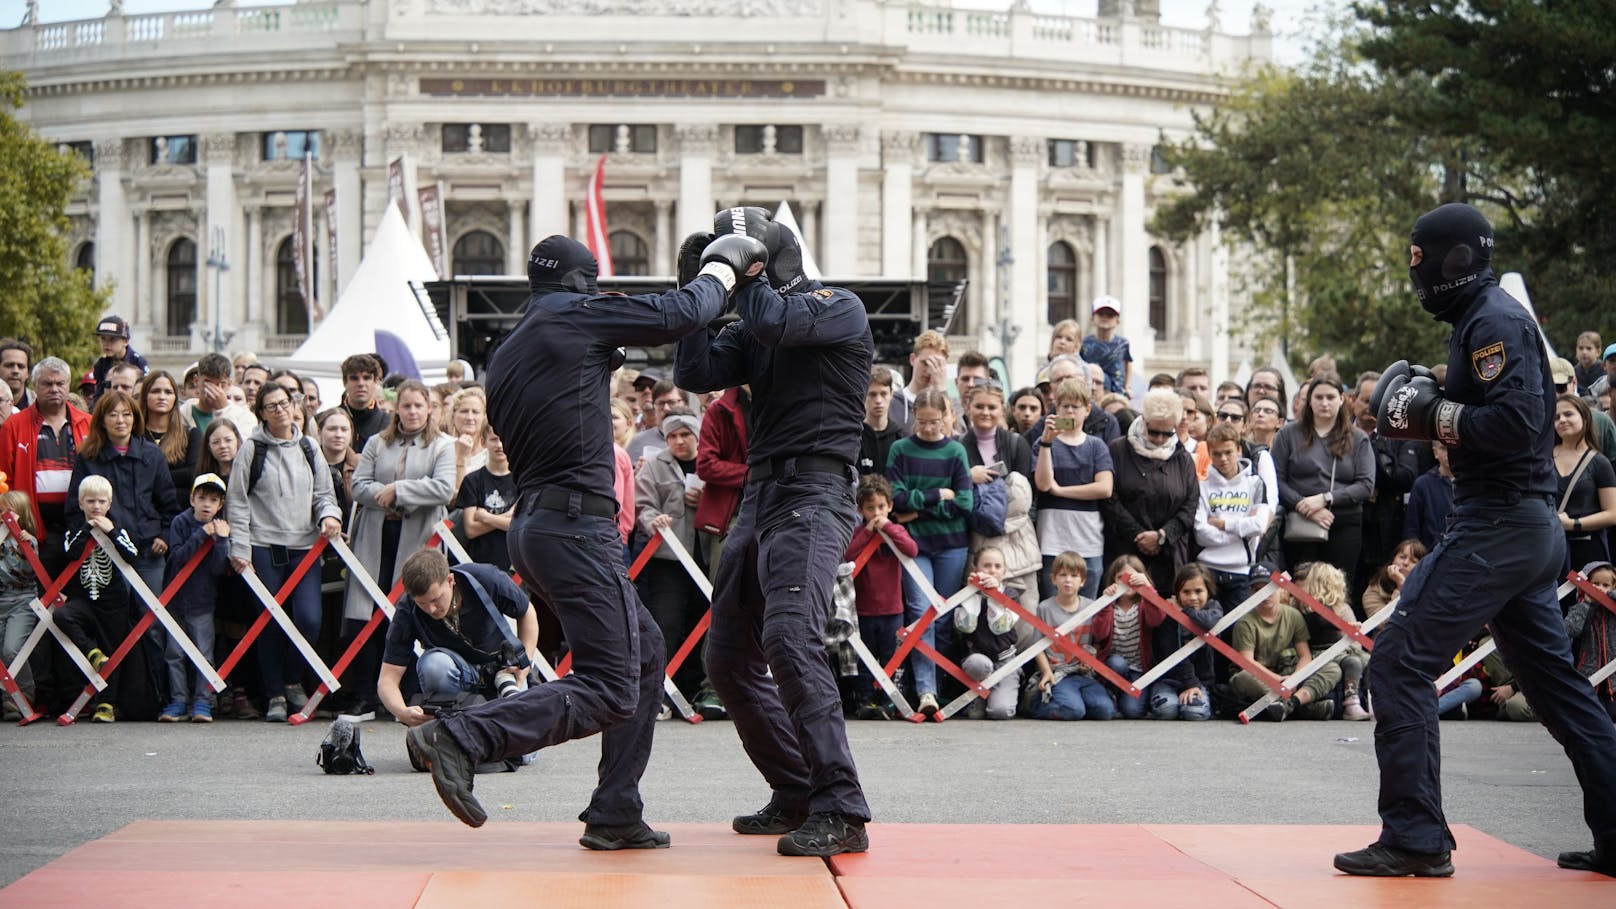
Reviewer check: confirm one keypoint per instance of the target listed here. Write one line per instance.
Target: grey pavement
(67, 786)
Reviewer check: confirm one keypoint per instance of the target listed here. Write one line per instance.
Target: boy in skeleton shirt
(97, 615)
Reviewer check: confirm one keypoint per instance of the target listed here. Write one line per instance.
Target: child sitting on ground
(1122, 631)
(1066, 688)
(989, 631)
(1325, 582)
(1184, 693)
(1387, 584)
(1274, 637)
(878, 587)
(193, 604)
(1592, 629)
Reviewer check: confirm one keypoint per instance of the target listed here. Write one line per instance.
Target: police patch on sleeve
(1488, 362)
(824, 293)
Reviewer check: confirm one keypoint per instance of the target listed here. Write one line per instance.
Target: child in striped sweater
(932, 498)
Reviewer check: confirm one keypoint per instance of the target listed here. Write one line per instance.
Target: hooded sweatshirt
(1239, 501)
(287, 505)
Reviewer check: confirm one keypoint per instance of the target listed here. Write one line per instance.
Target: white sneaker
(928, 705)
(1354, 711)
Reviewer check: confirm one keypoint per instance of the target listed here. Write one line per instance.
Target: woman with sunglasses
(1151, 512)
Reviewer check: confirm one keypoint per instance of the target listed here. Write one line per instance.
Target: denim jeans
(1164, 703)
(17, 622)
(443, 674)
(1459, 695)
(275, 649)
(185, 681)
(1131, 707)
(945, 571)
(1075, 697)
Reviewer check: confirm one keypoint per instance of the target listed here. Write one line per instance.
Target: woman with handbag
(1326, 472)
(1587, 483)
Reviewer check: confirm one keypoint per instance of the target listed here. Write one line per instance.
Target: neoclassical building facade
(1010, 149)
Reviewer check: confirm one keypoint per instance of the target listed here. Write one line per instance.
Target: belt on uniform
(574, 503)
(799, 464)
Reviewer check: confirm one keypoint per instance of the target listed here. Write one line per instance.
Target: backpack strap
(260, 452)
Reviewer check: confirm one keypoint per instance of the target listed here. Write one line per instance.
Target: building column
(516, 249)
(223, 213)
(1187, 303)
(1101, 264)
(982, 321)
(114, 253)
(550, 143)
(809, 223)
(698, 142)
(662, 241)
(1133, 267)
(1028, 294)
(143, 308)
(1218, 294)
(346, 148)
(900, 224)
(252, 277)
(839, 253)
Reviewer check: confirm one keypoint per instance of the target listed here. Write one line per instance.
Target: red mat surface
(415, 865)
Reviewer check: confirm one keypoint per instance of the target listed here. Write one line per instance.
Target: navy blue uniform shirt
(807, 357)
(549, 382)
(1496, 368)
(477, 639)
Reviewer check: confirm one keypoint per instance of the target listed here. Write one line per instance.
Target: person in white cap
(1106, 348)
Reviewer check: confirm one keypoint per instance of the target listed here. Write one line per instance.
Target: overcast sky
(1290, 16)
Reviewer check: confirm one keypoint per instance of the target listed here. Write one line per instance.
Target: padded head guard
(561, 265)
(785, 256)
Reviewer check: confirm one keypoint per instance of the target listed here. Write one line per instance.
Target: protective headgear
(561, 265)
(784, 271)
(1456, 245)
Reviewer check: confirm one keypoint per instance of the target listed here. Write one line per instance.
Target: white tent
(378, 297)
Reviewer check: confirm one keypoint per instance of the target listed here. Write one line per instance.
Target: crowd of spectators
(1052, 494)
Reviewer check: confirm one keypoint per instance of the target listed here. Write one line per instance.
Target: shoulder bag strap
(1576, 475)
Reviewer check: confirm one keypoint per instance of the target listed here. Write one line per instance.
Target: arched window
(630, 256)
(84, 260)
(1158, 291)
(1062, 279)
(946, 272)
(291, 310)
(478, 253)
(181, 286)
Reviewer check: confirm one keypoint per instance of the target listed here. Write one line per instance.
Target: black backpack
(339, 752)
(260, 452)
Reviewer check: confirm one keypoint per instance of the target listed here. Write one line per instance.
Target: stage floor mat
(415, 865)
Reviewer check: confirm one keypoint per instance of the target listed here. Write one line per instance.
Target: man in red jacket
(37, 446)
(721, 464)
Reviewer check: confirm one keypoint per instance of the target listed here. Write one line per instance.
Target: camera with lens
(511, 656)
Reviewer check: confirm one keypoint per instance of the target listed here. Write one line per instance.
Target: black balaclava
(785, 256)
(561, 265)
(1457, 247)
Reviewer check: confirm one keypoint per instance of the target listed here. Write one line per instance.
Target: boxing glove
(1412, 407)
(690, 255)
(1399, 369)
(734, 260)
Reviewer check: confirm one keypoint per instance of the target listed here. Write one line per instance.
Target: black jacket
(143, 498)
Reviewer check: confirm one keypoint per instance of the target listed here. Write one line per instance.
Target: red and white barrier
(52, 595)
(1319, 661)
(1208, 636)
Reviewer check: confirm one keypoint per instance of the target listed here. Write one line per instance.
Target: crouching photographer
(467, 648)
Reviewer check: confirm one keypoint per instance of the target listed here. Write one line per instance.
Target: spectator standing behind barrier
(1326, 472)
(806, 352)
(1026, 409)
(113, 334)
(1267, 383)
(274, 519)
(1430, 501)
(468, 418)
(181, 445)
(335, 430)
(1106, 347)
(213, 397)
(878, 589)
(16, 359)
(1588, 369)
(18, 587)
(1586, 492)
(98, 614)
(1151, 511)
(116, 448)
(487, 502)
(194, 603)
(361, 397)
(403, 487)
(667, 493)
(623, 470)
(932, 495)
(221, 442)
(721, 465)
(38, 447)
(928, 363)
(879, 430)
(1064, 338)
(1232, 513)
(986, 440)
(1074, 474)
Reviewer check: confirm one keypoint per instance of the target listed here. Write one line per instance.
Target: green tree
(1525, 91)
(1317, 169)
(47, 302)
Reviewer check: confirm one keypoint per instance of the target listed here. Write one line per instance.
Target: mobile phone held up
(1065, 424)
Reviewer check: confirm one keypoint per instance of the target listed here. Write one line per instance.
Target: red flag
(595, 222)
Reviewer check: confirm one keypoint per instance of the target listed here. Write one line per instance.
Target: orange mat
(442, 865)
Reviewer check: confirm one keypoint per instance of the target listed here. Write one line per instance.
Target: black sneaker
(1381, 860)
(1591, 860)
(628, 836)
(826, 833)
(452, 770)
(871, 711)
(771, 820)
(1278, 711)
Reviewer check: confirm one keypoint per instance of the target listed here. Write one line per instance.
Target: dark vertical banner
(432, 227)
(396, 190)
(303, 239)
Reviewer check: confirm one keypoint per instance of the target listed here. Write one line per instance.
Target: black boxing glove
(734, 259)
(690, 255)
(1412, 407)
(1400, 369)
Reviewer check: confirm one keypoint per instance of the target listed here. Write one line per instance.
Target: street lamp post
(220, 265)
(1008, 331)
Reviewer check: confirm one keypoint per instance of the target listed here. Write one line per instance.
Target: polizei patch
(1488, 362)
